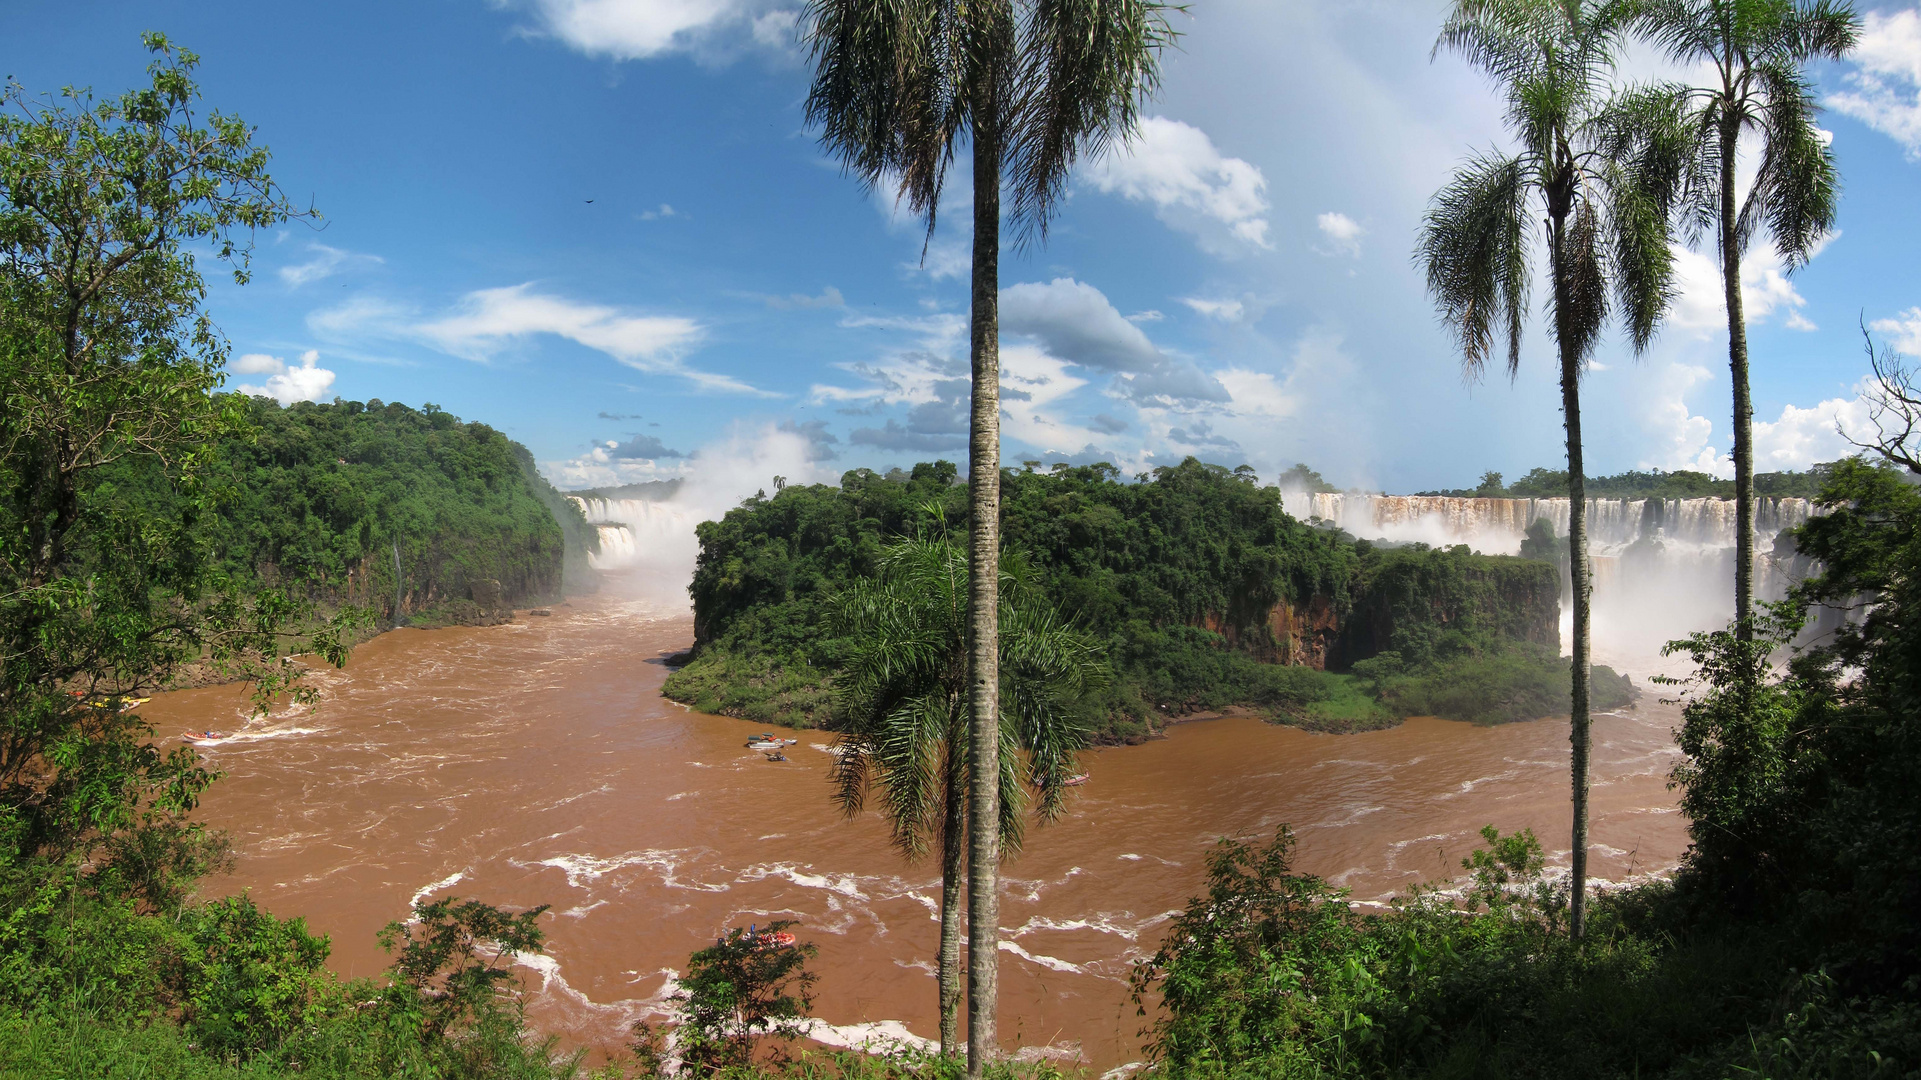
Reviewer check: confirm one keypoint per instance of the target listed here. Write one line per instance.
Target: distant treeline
(1652, 484)
(1205, 592)
(330, 497)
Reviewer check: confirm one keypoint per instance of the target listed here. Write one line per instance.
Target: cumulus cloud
(1677, 438)
(1801, 437)
(642, 29)
(1903, 331)
(1108, 425)
(641, 447)
(1343, 234)
(1192, 185)
(1700, 303)
(1074, 321)
(285, 383)
(325, 262)
(1202, 436)
(820, 441)
(1885, 85)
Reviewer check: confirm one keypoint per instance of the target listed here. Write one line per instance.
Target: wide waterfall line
(1497, 526)
(1663, 568)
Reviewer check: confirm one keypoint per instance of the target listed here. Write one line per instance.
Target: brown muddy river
(537, 763)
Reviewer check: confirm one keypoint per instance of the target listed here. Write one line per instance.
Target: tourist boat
(765, 744)
(202, 736)
(776, 756)
(1076, 780)
(771, 939)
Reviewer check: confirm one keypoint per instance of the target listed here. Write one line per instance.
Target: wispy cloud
(325, 263)
(488, 322)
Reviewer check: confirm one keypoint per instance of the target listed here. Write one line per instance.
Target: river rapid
(537, 763)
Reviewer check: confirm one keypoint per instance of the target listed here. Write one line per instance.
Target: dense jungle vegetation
(1542, 483)
(1204, 592)
(331, 496)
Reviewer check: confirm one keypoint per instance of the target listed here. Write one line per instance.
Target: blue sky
(1238, 285)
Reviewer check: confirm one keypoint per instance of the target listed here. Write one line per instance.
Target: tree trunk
(983, 600)
(1578, 673)
(1743, 403)
(952, 861)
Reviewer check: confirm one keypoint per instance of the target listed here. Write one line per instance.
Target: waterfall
(1663, 568)
(635, 533)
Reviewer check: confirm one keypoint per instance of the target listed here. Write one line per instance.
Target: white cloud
(1700, 304)
(326, 262)
(1343, 234)
(943, 259)
(641, 29)
(286, 383)
(1224, 310)
(1675, 437)
(1903, 331)
(664, 211)
(1800, 437)
(1886, 79)
(1075, 322)
(1193, 187)
(1794, 440)
(489, 320)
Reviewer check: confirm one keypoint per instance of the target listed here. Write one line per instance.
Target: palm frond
(1579, 302)
(1796, 187)
(1087, 65)
(1474, 244)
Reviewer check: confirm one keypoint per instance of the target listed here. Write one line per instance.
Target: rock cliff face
(1404, 591)
(1300, 634)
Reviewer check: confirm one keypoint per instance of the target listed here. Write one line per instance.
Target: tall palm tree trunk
(953, 858)
(1743, 401)
(983, 596)
(1578, 573)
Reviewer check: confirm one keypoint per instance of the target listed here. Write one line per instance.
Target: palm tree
(904, 691)
(1605, 172)
(1756, 50)
(1031, 85)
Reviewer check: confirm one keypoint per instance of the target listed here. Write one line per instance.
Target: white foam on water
(424, 891)
(1131, 857)
(873, 1037)
(583, 870)
(1053, 963)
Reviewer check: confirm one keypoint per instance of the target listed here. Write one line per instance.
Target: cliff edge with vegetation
(410, 514)
(1205, 592)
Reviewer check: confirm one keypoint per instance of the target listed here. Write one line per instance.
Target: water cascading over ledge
(1663, 568)
(633, 531)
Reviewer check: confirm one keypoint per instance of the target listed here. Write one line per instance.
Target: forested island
(408, 513)
(1203, 592)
